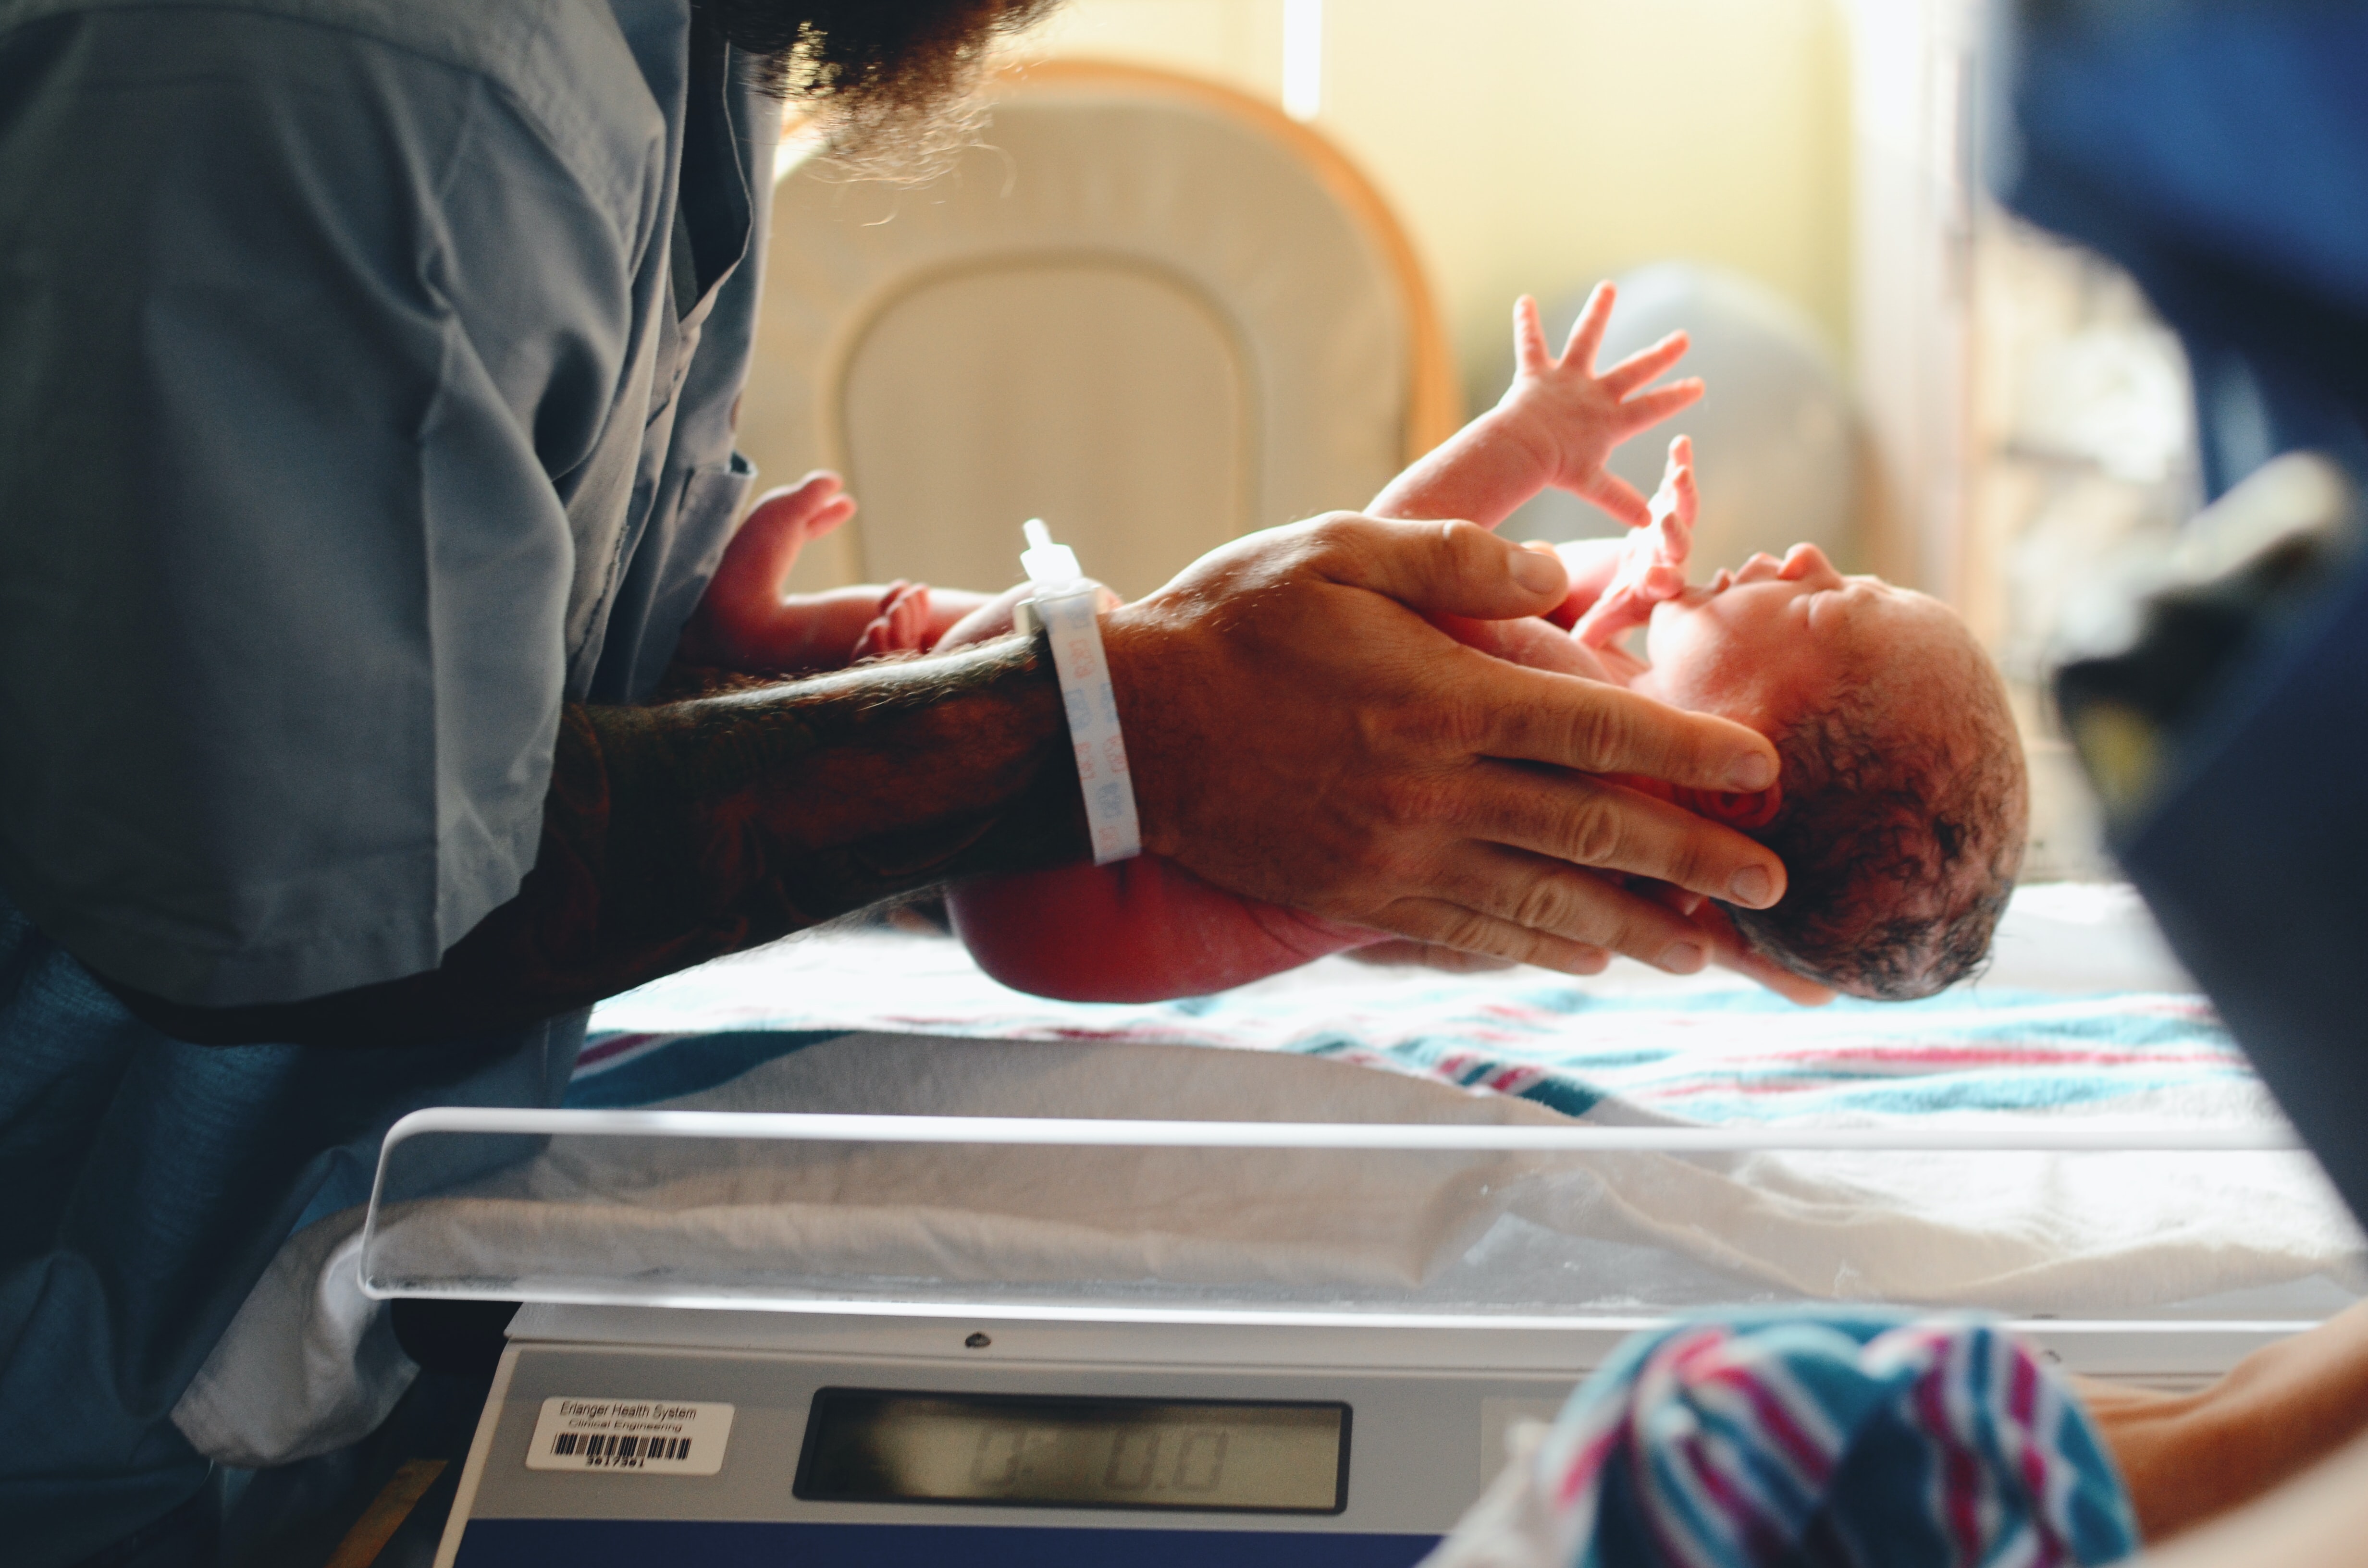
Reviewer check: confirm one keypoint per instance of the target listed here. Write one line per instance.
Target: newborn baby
(1901, 803)
(1898, 810)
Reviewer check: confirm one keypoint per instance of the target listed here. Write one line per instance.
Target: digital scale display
(1023, 1450)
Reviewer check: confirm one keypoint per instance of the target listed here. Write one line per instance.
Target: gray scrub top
(354, 412)
(366, 379)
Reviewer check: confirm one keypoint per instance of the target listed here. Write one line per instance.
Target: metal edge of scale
(915, 1347)
(2154, 1350)
(916, 1336)
(2164, 1346)
(739, 1307)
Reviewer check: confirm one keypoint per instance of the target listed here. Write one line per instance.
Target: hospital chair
(1149, 309)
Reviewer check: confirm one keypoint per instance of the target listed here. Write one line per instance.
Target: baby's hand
(1652, 564)
(902, 625)
(1576, 416)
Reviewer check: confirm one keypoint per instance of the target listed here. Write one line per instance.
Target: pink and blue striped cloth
(1754, 1439)
(1716, 1052)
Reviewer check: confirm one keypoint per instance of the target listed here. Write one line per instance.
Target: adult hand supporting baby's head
(1729, 949)
(1299, 733)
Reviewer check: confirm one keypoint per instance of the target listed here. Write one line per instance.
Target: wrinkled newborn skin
(1909, 803)
(1770, 645)
(1899, 808)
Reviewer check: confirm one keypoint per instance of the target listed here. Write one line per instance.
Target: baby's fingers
(1650, 408)
(1644, 365)
(1530, 338)
(1676, 502)
(1611, 617)
(1617, 496)
(1586, 332)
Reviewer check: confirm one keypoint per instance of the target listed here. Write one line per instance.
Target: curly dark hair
(891, 79)
(1901, 831)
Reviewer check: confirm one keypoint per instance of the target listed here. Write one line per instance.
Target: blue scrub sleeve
(299, 328)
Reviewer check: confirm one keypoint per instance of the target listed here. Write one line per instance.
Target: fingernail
(1683, 958)
(1753, 772)
(1536, 570)
(1752, 886)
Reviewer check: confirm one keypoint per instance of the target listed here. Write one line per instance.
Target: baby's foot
(741, 621)
(789, 520)
(902, 625)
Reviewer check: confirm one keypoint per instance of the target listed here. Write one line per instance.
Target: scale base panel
(635, 1543)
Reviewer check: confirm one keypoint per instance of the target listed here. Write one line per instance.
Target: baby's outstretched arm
(1556, 425)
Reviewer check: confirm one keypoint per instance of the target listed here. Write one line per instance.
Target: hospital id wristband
(1066, 606)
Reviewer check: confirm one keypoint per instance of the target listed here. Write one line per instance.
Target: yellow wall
(1535, 145)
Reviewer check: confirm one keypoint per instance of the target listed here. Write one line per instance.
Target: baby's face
(1764, 644)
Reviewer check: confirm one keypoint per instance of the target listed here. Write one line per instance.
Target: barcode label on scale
(646, 1437)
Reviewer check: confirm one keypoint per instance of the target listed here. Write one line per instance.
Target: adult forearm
(675, 834)
(2190, 1458)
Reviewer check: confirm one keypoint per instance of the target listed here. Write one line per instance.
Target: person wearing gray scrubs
(367, 374)
(355, 417)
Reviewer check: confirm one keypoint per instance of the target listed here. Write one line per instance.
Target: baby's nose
(1806, 560)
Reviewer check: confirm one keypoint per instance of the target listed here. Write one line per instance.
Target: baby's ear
(1757, 809)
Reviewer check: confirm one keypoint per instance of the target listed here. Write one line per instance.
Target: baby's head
(1904, 804)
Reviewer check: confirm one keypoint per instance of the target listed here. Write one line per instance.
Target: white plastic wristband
(1067, 605)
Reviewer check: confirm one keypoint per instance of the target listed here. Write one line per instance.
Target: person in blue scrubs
(367, 377)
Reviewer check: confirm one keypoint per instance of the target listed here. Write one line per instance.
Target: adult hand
(1730, 950)
(1299, 733)
(1399, 952)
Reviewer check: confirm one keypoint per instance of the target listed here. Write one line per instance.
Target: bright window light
(1302, 58)
(799, 143)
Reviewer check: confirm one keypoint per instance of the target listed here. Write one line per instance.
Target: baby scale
(867, 1342)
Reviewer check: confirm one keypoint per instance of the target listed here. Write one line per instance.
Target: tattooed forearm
(675, 834)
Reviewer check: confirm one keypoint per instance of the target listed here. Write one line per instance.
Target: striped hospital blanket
(1810, 1438)
(1710, 1050)
(2039, 1233)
